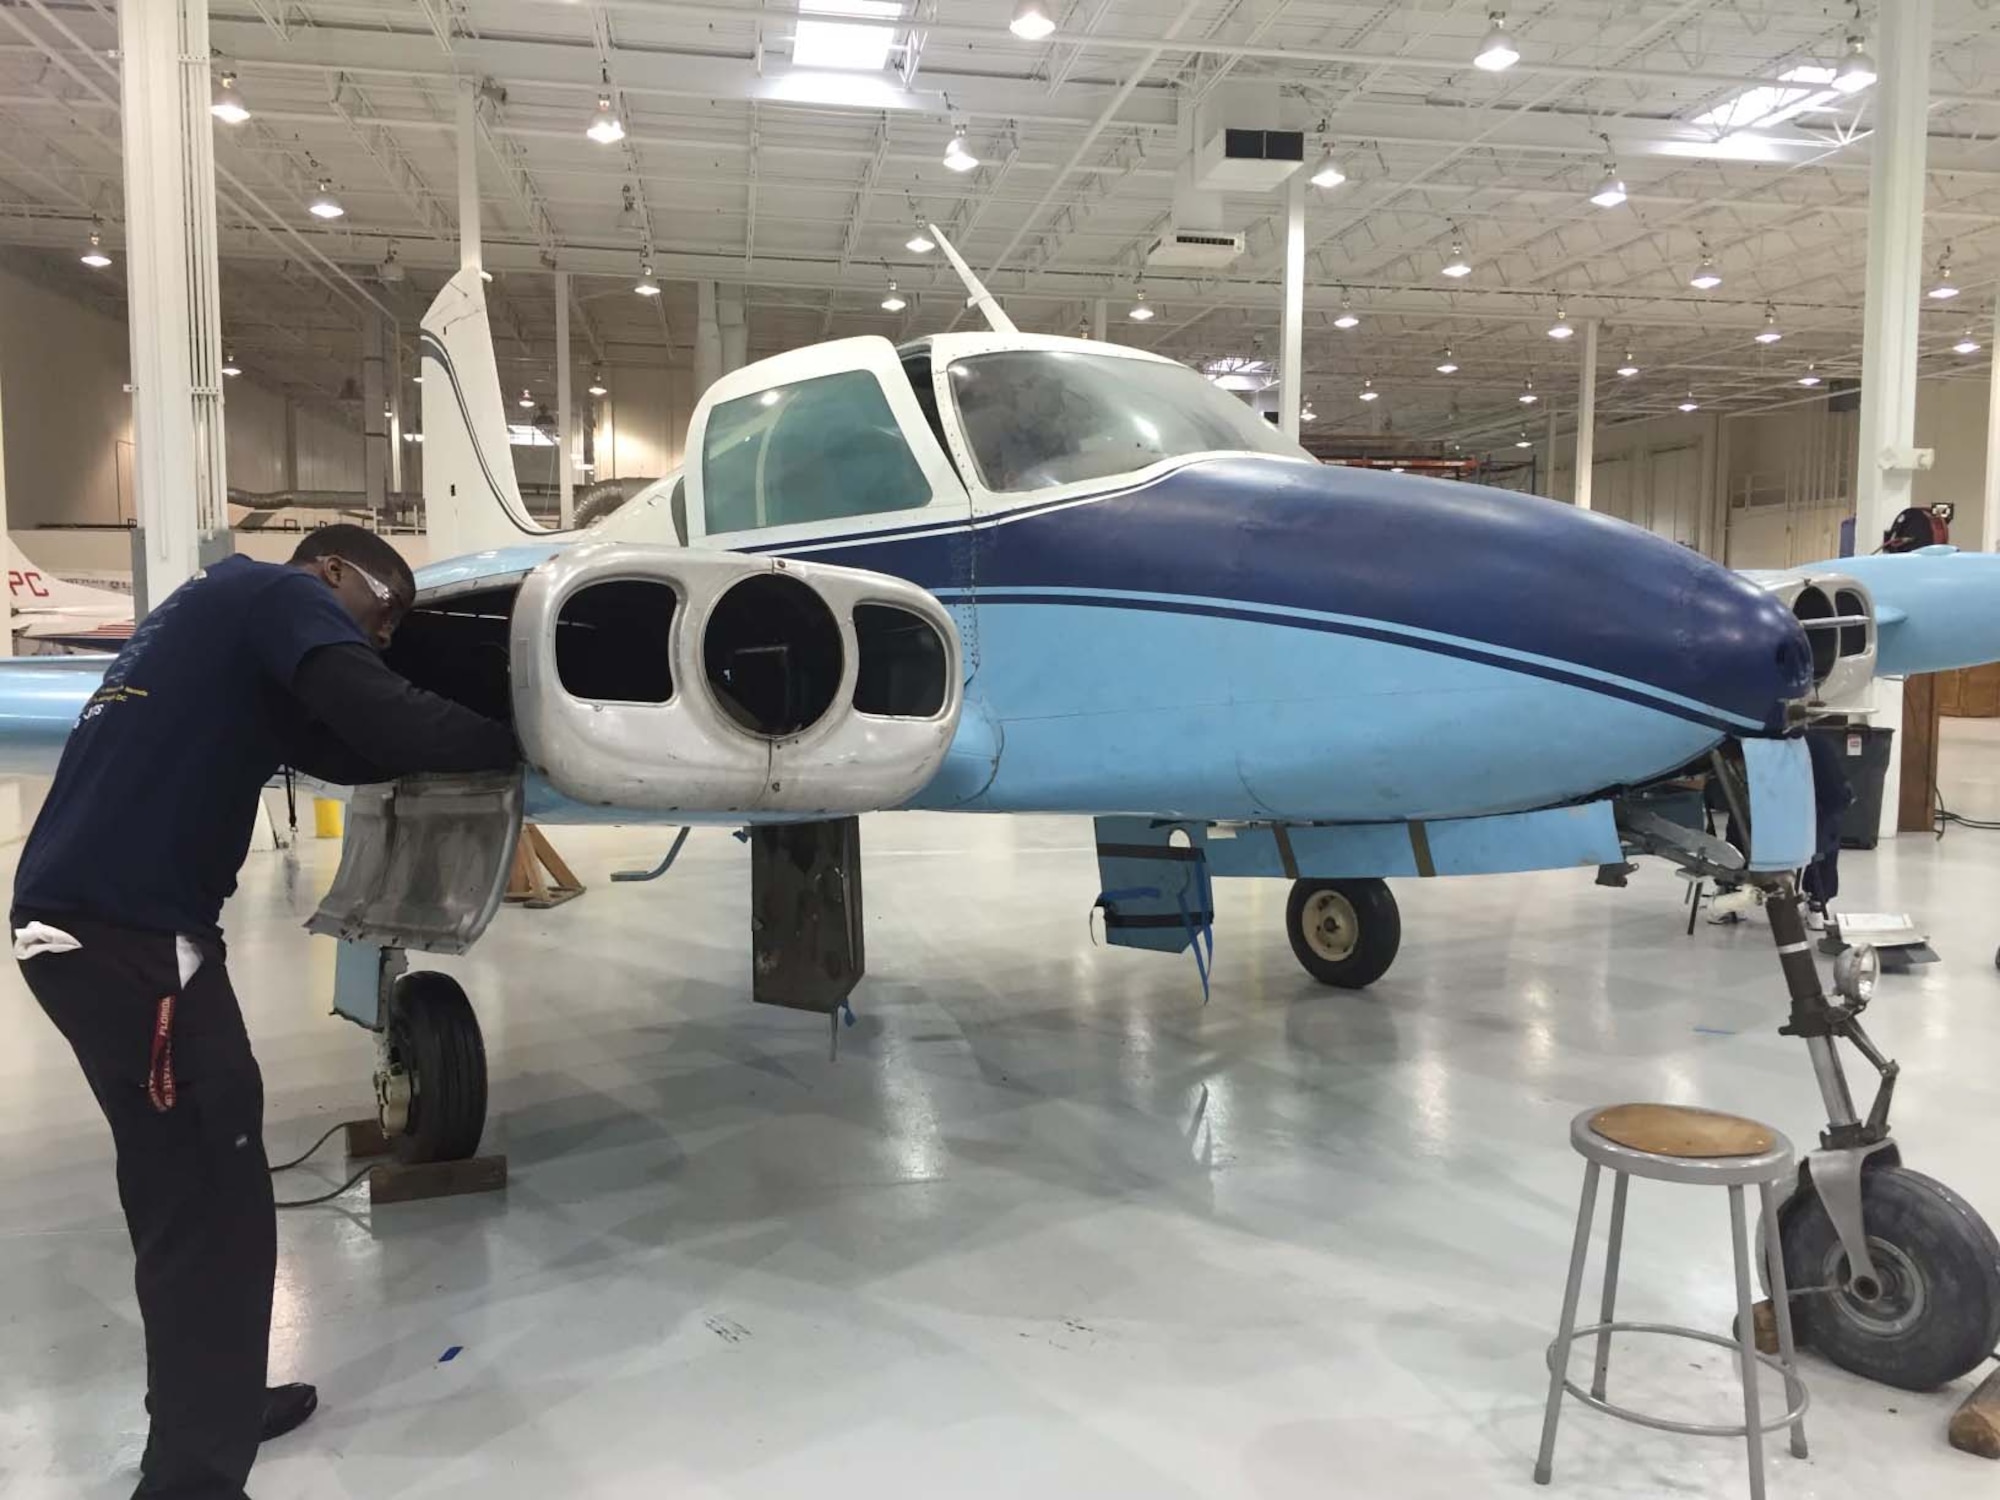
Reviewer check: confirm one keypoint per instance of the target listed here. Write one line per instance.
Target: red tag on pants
(160, 1077)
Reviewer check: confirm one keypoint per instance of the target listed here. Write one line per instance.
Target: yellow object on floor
(329, 817)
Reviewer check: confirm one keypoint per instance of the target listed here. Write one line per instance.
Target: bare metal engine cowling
(1839, 619)
(742, 683)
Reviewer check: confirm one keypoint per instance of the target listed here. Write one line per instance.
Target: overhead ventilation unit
(1248, 161)
(1201, 249)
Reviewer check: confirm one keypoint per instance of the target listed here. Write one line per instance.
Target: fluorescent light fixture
(1810, 378)
(413, 437)
(1759, 107)
(226, 104)
(1688, 403)
(920, 243)
(1456, 265)
(1328, 174)
(1628, 367)
(1141, 310)
(957, 154)
(1562, 328)
(1611, 191)
(645, 286)
(1770, 333)
(895, 301)
(1966, 345)
(1396, 469)
(842, 44)
(1524, 441)
(597, 386)
(1528, 396)
(1346, 318)
(416, 380)
(1497, 53)
(1032, 20)
(1943, 289)
(93, 253)
(1857, 70)
(1706, 278)
(229, 365)
(1368, 391)
(527, 401)
(1447, 365)
(605, 126)
(323, 205)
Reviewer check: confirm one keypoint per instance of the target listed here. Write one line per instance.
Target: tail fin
(472, 502)
(32, 588)
(976, 294)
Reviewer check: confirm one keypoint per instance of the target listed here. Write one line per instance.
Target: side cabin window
(815, 450)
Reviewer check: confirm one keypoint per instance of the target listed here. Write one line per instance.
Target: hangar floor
(1049, 1226)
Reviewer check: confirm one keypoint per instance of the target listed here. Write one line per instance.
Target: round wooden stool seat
(1680, 1131)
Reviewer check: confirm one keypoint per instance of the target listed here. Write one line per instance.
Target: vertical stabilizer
(472, 501)
(976, 294)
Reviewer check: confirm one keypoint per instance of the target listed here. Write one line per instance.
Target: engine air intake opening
(613, 642)
(1812, 604)
(1853, 638)
(772, 655)
(458, 648)
(903, 662)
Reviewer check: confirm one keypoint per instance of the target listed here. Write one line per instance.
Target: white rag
(38, 938)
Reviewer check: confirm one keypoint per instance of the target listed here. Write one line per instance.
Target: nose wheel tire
(1344, 933)
(436, 1078)
(1935, 1314)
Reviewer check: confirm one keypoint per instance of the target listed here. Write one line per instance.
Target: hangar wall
(69, 423)
(642, 424)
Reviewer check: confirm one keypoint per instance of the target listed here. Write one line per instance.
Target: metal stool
(1668, 1143)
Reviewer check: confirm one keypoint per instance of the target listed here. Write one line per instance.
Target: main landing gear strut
(1895, 1276)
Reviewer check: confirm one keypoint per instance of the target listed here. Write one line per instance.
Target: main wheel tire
(1938, 1313)
(434, 1037)
(1345, 933)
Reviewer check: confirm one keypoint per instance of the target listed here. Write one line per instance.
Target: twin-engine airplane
(51, 613)
(996, 572)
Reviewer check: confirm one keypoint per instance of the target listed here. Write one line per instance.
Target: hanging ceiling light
(527, 401)
(1307, 414)
(1528, 396)
(226, 104)
(1943, 289)
(1562, 328)
(323, 205)
(1688, 403)
(1611, 190)
(920, 243)
(1770, 333)
(229, 365)
(484, 274)
(391, 269)
(895, 301)
(1811, 376)
(1346, 318)
(93, 253)
(1447, 365)
(605, 126)
(645, 286)
(1857, 70)
(1524, 441)
(1497, 53)
(628, 214)
(1141, 310)
(1368, 391)
(1628, 366)
(597, 386)
(1456, 265)
(957, 153)
(1966, 345)
(1328, 174)
(1706, 278)
(1032, 20)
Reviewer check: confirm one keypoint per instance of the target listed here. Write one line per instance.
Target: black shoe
(286, 1408)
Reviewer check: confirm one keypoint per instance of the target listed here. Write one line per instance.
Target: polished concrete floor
(1049, 1226)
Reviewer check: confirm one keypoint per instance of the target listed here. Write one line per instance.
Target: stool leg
(1620, 1181)
(1572, 1293)
(1746, 1341)
(1781, 1307)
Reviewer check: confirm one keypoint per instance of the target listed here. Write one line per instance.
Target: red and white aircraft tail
(53, 611)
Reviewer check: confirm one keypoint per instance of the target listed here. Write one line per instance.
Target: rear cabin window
(815, 450)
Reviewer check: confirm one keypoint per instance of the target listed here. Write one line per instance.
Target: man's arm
(373, 725)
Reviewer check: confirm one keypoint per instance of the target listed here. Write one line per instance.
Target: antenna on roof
(976, 294)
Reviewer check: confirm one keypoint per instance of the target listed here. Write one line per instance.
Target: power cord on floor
(301, 1160)
(1945, 817)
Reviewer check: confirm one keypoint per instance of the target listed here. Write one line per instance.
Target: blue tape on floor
(451, 1354)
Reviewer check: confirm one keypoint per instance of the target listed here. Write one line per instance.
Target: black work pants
(185, 1102)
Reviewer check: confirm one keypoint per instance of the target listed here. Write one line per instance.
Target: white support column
(734, 327)
(1888, 421)
(1549, 480)
(1586, 417)
(564, 467)
(468, 174)
(707, 338)
(374, 413)
(1098, 330)
(1291, 334)
(173, 308)
(1989, 516)
(6, 637)
(393, 350)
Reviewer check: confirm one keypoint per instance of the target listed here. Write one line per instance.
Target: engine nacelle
(672, 680)
(1839, 619)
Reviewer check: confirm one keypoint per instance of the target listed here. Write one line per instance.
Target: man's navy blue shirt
(153, 806)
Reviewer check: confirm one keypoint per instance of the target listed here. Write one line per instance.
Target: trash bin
(1864, 756)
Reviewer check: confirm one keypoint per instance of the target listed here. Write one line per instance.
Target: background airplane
(51, 613)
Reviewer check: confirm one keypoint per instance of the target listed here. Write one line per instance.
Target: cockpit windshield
(1042, 417)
